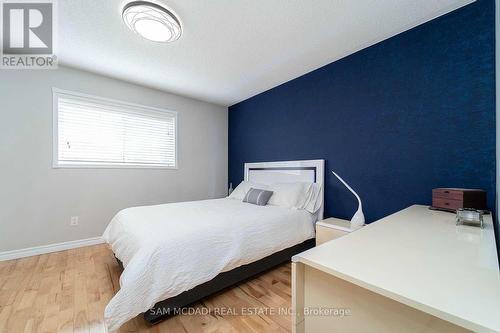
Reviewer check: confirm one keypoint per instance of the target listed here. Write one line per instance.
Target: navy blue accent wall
(414, 112)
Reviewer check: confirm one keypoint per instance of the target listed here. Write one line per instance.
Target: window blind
(96, 132)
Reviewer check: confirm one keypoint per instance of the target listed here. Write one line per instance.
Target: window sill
(110, 166)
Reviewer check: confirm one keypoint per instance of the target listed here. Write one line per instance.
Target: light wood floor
(67, 292)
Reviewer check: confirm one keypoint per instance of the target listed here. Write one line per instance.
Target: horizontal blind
(95, 132)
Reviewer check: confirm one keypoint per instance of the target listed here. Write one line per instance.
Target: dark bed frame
(166, 308)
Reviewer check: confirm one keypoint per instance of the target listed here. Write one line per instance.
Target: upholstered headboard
(287, 172)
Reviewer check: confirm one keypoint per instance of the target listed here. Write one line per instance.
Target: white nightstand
(332, 228)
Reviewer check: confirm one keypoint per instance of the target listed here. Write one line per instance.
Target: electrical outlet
(74, 221)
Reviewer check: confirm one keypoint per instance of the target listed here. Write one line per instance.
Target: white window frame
(56, 164)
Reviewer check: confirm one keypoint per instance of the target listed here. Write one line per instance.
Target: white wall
(37, 201)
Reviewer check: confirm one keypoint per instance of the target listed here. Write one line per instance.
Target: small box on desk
(451, 199)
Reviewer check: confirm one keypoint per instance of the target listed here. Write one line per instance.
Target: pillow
(257, 197)
(241, 190)
(314, 199)
(291, 195)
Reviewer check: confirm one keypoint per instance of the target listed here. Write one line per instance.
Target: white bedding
(168, 249)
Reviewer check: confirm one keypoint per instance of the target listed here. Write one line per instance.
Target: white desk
(414, 270)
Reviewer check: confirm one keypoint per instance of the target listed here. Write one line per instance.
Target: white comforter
(168, 249)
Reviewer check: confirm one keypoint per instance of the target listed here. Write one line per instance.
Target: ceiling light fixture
(152, 21)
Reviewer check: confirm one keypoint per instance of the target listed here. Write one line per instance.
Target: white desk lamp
(358, 219)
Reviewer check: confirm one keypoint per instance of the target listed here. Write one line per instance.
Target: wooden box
(450, 199)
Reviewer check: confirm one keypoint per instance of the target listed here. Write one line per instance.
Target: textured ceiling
(231, 50)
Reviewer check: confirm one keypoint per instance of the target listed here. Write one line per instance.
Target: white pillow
(314, 200)
(291, 195)
(241, 190)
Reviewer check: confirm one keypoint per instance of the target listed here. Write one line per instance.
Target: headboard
(287, 172)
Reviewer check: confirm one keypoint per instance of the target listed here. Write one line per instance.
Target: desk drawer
(452, 198)
(447, 194)
(447, 204)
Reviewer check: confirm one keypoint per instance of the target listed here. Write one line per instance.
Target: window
(96, 132)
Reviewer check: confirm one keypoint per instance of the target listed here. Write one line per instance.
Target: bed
(176, 254)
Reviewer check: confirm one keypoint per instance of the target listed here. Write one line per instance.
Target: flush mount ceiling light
(152, 21)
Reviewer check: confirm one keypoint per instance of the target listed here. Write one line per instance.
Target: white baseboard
(37, 250)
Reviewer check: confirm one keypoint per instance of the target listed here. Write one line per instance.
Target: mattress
(168, 249)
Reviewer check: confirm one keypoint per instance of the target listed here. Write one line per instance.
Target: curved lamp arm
(358, 219)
